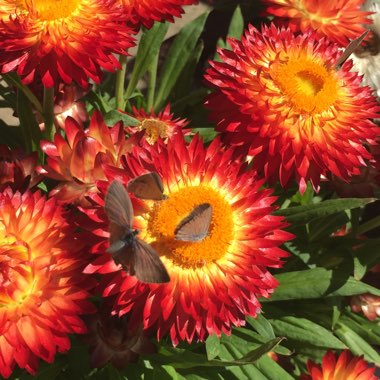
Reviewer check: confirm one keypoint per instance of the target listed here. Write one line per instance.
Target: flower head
(368, 304)
(161, 125)
(78, 161)
(287, 105)
(42, 288)
(339, 20)
(146, 12)
(17, 169)
(216, 282)
(112, 341)
(345, 367)
(72, 41)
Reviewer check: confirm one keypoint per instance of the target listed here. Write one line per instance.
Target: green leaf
(178, 56)
(114, 116)
(236, 27)
(356, 343)
(188, 359)
(366, 255)
(317, 283)
(212, 346)
(306, 331)
(207, 134)
(271, 369)
(262, 326)
(305, 214)
(149, 47)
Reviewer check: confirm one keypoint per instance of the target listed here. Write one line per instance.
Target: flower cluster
(230, 190)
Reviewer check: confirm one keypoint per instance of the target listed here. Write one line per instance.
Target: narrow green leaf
(149, 47)
(356, 343)
(179, 54)
(236, 27)
(114, 116)
(317, 283)
(188, 359)
(262, 326)
(271, 369)
(306, 331)
(306, 213)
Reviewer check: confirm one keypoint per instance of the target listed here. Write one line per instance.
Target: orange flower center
(153, 130)
(16, 275)
(166, 215)
(307, 84)
(50, 10)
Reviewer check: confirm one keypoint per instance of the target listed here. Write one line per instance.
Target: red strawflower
(215, 283)
(17, 169)
(146, 12)
(42, 288)
(78, 161)
(339, 20)
(281, 99)
(345, 367)
(154, 125)
(368, 304)
(72, 41)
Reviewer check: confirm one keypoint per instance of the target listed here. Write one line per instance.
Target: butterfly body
(135, 255)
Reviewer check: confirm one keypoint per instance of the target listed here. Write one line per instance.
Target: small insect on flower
(138, 257)
(195, 226)
(147, 186)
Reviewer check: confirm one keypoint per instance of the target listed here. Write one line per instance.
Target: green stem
(120, 79)
(48, 113)
(368, 226)
(152, 73)
(13, 80)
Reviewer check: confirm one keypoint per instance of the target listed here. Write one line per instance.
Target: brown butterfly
(147, 186)
(138, 257)
(195, 226)
(352, 46)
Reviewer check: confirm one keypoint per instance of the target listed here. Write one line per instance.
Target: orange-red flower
(42, 288)
(78, 161)
(339, 20)
(214, 283)
(368, 304)
(146, 12)
(154, 125)
(111, 340)
(17, 169)
(345, 367)
(72, 41)
(281, 99)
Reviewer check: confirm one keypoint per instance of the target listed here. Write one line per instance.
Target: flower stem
(12, 79)
(152, 72)
(48, 113)
(368, 226)
(120, 79)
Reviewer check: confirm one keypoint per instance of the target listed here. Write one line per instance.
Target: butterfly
(135, 255)
(195, 226)
(147, 186)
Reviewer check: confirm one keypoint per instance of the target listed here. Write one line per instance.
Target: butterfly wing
(147, 264)
(147, 186)
(118, 205)
(352, 46)
(194, 227)
(123, 255)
